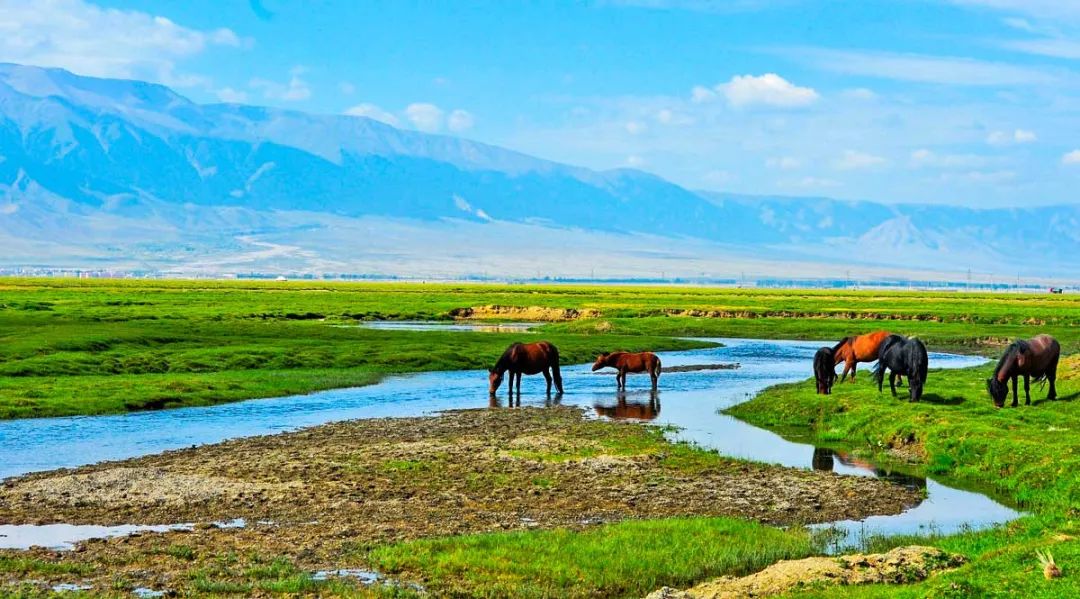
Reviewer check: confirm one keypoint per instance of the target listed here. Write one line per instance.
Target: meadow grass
(72, 346)
(625, 559)
(1027, 456)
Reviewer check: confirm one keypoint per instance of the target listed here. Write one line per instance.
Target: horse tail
(879, 373)
(555, 374)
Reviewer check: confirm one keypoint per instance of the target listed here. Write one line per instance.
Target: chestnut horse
(526, 358)
(626, 362)
(852, 350)
(1037, 357)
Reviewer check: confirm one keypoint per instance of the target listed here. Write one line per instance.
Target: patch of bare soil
(1069, 368)
(319, 496)
(901, 565)
(539, 313)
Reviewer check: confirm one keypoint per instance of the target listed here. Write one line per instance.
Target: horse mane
(841, 343)
(502, 364)
(1016, 347)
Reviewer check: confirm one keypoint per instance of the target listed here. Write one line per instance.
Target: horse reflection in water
(825, 459)
(638, 405)
(550, 401)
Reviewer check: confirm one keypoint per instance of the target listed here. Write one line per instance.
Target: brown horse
(1037, 357)
(526, 358)
(626, 362)
(631, 410)
(852, 350)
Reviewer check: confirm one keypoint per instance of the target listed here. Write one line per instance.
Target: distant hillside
(109, 172)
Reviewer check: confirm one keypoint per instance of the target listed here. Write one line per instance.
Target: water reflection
(633, 405)
(831, 460)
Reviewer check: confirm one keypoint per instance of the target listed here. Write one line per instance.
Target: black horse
(824, 370)
(1037, 357)
(902, 357)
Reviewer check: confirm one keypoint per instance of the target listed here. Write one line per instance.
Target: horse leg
(622, 378)
(1051, 375)
(1027, 390)
(547, 376)
(854, 367)
(1016, 398)
(519, 388)
(892, 383)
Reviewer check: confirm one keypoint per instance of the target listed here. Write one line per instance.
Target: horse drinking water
(902, 357)
(526, 358)
(852, 350)
(1037, 357)
(626, 362)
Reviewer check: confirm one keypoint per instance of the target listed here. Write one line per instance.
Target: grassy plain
(69, 347)
(97, 346)
(1028, 456)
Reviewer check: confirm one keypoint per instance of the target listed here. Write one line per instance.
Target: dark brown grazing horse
(852, 350)
(824, 370)
(626, 362)
(1037, 357)
(526, 358)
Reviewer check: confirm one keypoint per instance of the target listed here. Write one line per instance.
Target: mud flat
(316, 499)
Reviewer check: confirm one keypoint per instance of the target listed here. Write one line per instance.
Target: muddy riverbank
(316, 497)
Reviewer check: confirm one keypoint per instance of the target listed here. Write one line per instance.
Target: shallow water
(424, 325)
(689, 400)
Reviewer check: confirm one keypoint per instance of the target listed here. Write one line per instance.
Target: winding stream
(688, 400)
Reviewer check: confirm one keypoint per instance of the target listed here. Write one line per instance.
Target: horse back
(640, 362)
(866, 347)
(1043, 352)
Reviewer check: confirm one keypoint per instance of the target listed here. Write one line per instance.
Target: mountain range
(128, 175)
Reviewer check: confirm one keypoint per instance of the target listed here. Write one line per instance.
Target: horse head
(601, 361)
(998, 390)
(494, 380)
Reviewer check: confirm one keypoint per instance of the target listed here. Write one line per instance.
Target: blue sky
(973, 102)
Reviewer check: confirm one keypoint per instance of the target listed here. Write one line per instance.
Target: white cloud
(1043, 9)
(635, 161)
(700, 94)
(372, 111)
(926, 158)
(295, 90)
(1072, 157)
(785, 163)
(675, 118)
(460, 120)
(230, 95)
(1004, 138)
(719, 177)
(852, 160)
(981, 177)
(812, 183)
(921, 68)
(860, 93)
(769, 89)
(635, 127)
(424, 116)
(90, 40)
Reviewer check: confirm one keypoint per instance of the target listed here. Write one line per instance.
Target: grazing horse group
(904, 357)
(543, 357)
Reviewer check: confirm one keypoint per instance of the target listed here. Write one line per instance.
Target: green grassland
(1027, 456)
(81, 347)
(97, 346)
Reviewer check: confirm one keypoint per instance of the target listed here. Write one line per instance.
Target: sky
(966, 102)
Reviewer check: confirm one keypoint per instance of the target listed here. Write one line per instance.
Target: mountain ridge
(100, 154)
